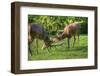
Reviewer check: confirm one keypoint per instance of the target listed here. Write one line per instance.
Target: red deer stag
(37, 31)
(70, 30)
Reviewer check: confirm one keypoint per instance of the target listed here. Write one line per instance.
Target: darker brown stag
(71, 30)
(36, 31)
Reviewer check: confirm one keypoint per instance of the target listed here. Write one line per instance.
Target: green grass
(60, 51)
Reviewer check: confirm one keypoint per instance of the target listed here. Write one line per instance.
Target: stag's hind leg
(74, 41)
(29, 44)
(29, 48)
(78, 36)
(78, 40)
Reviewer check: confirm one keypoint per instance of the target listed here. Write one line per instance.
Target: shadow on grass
(81, 48)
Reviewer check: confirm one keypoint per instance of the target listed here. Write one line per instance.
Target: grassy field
(61, 51)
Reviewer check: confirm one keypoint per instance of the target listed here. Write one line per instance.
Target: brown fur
(70, 31)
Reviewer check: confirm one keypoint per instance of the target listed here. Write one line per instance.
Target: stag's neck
(64, 35)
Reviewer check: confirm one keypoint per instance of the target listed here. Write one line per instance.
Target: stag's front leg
(37, 45)
(68, 42)
(45, 46)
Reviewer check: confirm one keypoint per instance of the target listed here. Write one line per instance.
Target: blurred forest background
(55, 23)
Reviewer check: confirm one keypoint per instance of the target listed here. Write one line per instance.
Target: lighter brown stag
(71, 30)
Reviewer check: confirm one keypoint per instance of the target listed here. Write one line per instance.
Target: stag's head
(47, 43)
(58, 37)
(55, 39)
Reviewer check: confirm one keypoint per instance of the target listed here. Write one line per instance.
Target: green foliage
(54, 23)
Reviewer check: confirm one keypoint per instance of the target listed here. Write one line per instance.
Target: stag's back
(37, 31)
(72, 29)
